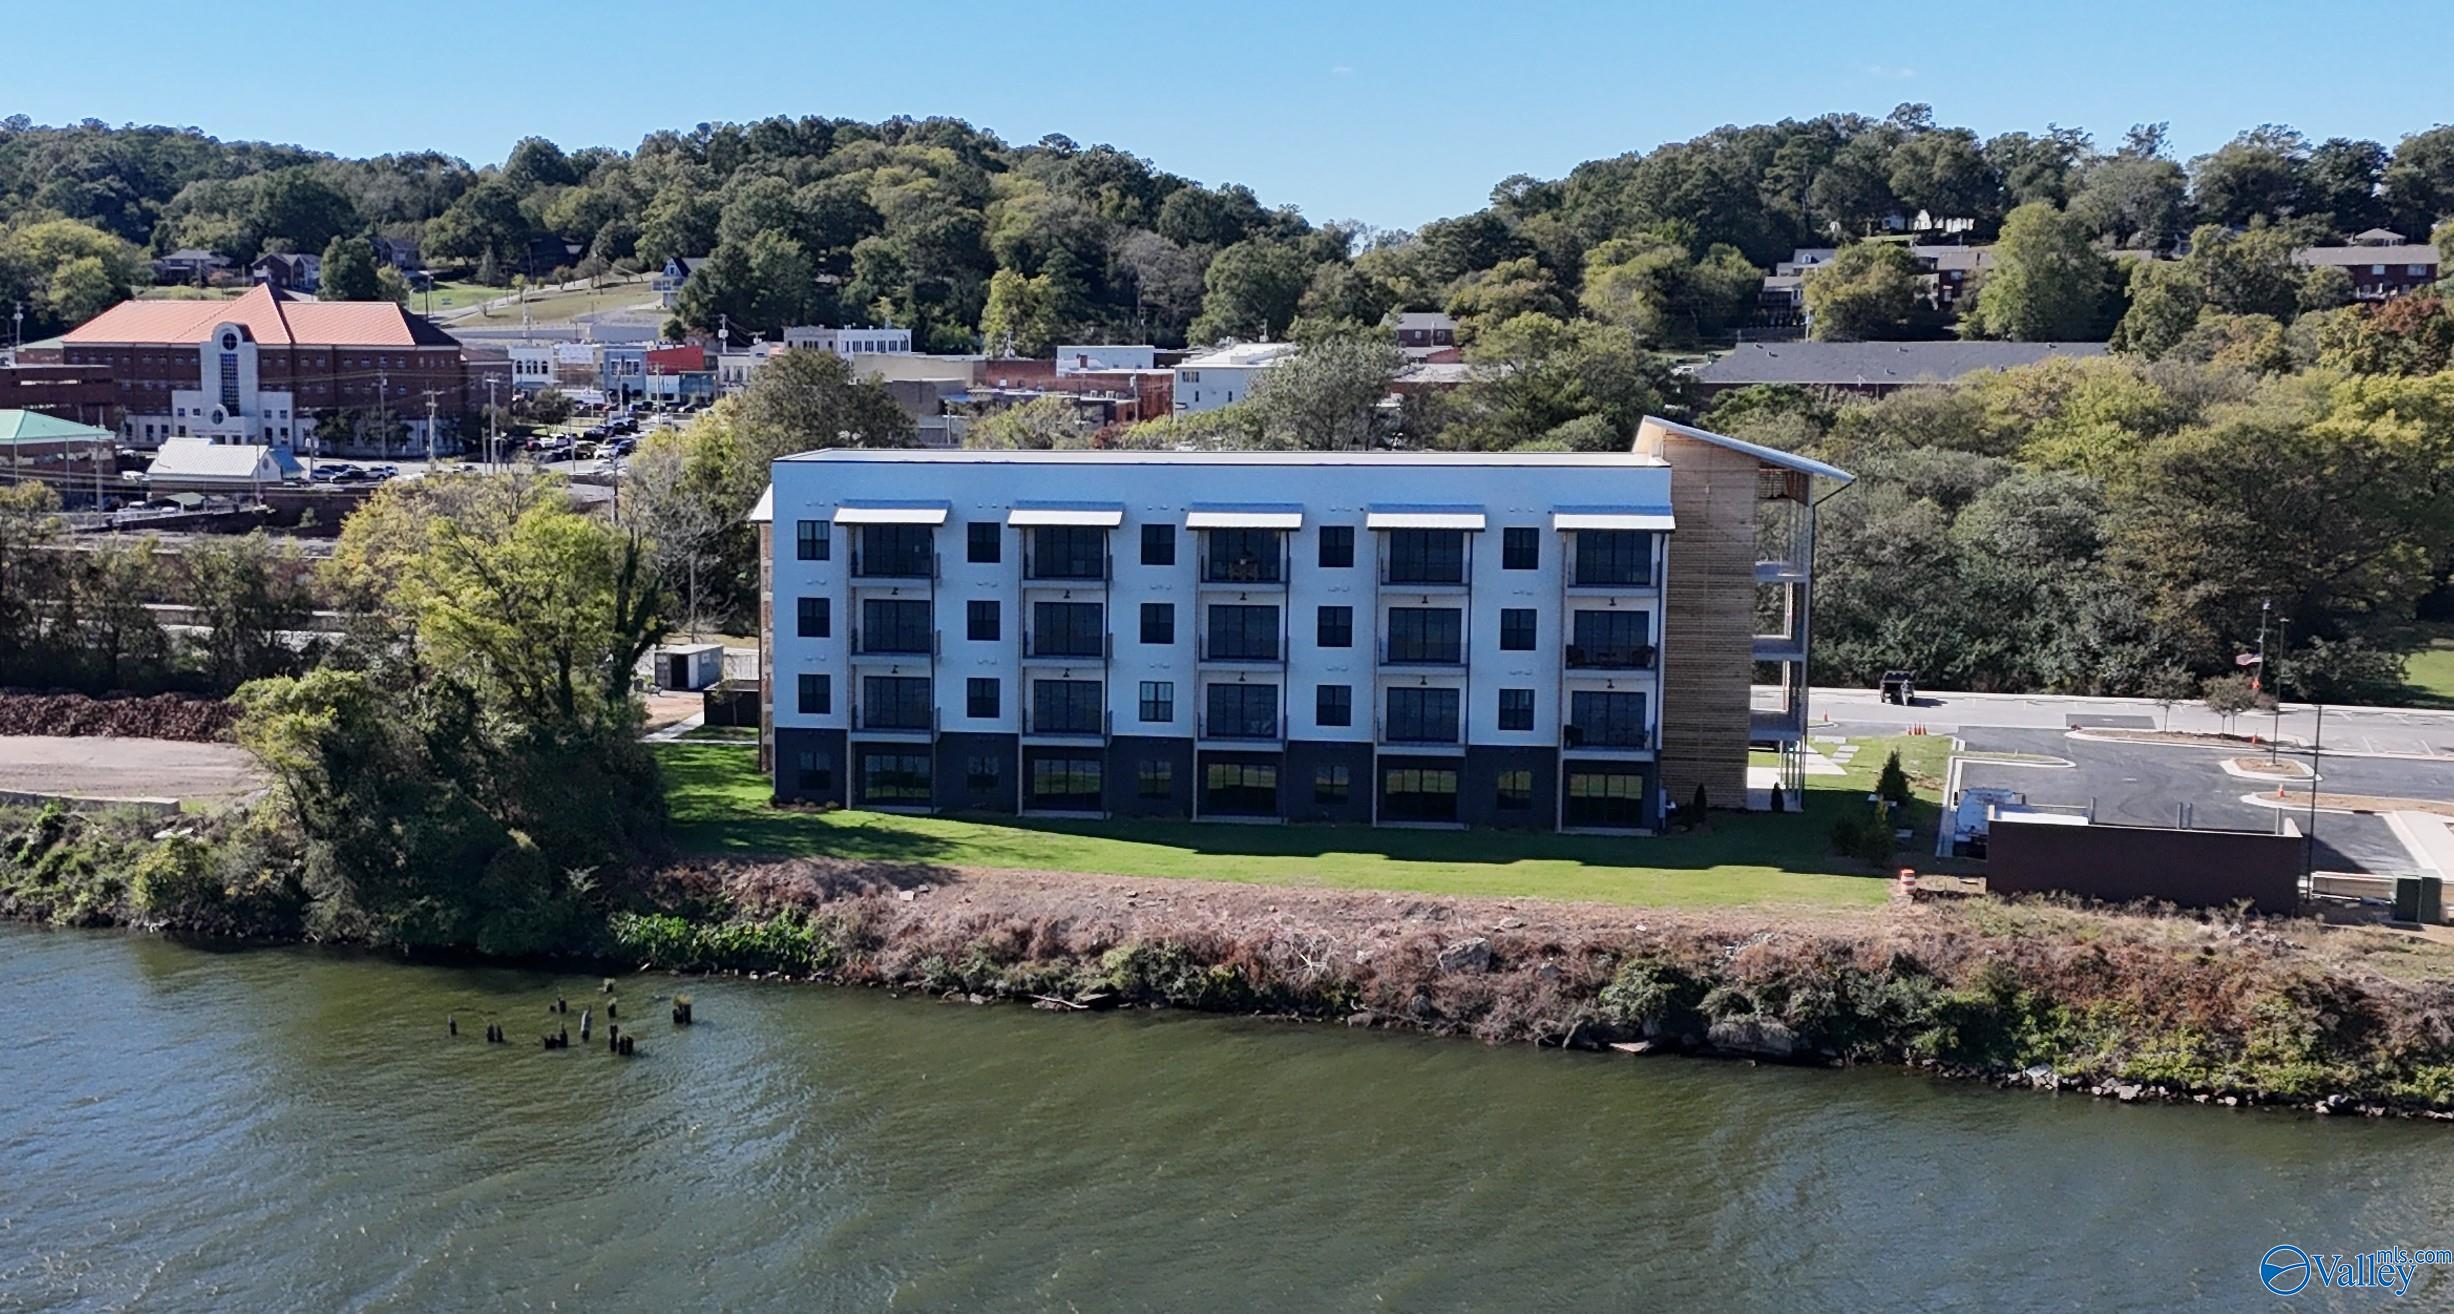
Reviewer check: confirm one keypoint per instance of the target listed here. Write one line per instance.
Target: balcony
(1421, 656)
(893, 643)
(894, 721)
(1610, 657)
(1067, 647)
(1605, 735)
(1422, 576)
(1066, 570)
(1098, 726)
(894, 565)
(1241, 652)
(1240, 731)
(1595, 580)
(1420, 734)
(1244, 572)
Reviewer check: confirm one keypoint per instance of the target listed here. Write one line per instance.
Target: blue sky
(1388, 114)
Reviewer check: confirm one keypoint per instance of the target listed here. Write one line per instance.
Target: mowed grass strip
(719, 805)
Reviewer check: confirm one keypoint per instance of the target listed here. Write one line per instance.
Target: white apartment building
(1436, 638)
(532, 365)
(851, 341)
(1217, 378)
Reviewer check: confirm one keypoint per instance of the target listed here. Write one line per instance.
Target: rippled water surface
(183, 1129)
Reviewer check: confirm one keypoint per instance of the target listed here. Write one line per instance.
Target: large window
(1422, 716)
(1158, 700)
(894, 551)
(1605, 798)
(1333, 705)
(1427, 556)
(811, 618)
(1067, 629)
(1611, 640)
(1614, 556)
(1158, 622)
(1337, 546)
(981, 771)
(1520, 548)
(814, 771)
(1604, 719)
(985, 542)
(1336, 627)
(1242, 711)
(894, 625)
(1332, 785)
(1240, 556)
(1418, 794)
(1422, 635)
(980, 698)
(1154, 778)
(1517, 627)
(812, 695)
(1516, 709)
(1516, 791)
(1069, 552)
(1069, 783)
(1242, 633)
(980, 620)
(1065, 707)
(895, 702)
(1244, 789)
(809, 540)
(900, 779)
(1158, 545)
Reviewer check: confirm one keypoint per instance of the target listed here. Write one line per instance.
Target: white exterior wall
(1210, 387)
(1513, 491)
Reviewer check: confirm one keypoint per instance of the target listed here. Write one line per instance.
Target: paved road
(2348, 729)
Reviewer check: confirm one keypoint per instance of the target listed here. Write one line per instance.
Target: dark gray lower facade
(1517, 787)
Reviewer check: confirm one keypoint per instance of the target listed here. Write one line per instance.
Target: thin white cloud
(1890, 71)
(1340, 70)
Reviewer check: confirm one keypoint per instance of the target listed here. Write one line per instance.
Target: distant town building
(79, 392)
(189, 265)
(532, 365)
(668, 281)
(1423, 333)
(1873, 369)
(201, 465)
(849, 341)
(2381, 263)
(264, 367)
(1076, 358)
(1219, 378)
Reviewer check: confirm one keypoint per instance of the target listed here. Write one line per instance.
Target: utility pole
(2282, 646)
(2258, 677)
(431, 395)
(2309, 839)
(383, 425)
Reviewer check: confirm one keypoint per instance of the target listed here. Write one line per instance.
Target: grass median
(719, 805)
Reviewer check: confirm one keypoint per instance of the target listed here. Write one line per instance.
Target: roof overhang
(1033, 515)
(1423, 517)
(891, 513)
(1649, 435)
(1256, 515)
(764, 512)
(1653, 518)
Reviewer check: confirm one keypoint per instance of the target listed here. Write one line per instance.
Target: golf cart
(1898, 687)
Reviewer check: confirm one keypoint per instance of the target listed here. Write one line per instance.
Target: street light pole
(2274, 734)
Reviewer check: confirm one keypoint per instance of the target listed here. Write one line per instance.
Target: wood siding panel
(1708, 622)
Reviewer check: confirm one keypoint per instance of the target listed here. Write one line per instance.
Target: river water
(272, 1130)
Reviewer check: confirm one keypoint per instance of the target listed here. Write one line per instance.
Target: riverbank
(2134, 1006)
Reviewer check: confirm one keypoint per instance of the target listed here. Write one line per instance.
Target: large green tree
(2049, 282)
(1868, 290)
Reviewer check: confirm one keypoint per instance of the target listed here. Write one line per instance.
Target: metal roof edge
(1768, 455)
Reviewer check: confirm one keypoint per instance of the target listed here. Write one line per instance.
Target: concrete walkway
(2430, 838)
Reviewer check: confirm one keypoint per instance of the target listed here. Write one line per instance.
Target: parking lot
(2147, 784)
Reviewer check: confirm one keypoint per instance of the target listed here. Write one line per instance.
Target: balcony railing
(1099, 646)
(1243, 570)
(1435, 732)
(1092, 727)
(1422, 655)
(898, 565)
(888, 719)
(1067, 570)
(893, 643)
(1274, 650)
(1605, 735)
(1640, 577)
(1243, 730)
(1610, 656)
(1438, 574)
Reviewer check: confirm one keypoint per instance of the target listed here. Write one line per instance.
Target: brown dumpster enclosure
(2119, 864)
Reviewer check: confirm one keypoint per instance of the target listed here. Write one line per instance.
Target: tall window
(1333, 705)
(1332, 784)
(1065, 707)
(1242, 711)
(894, 625)
(1422, 716)
(894, 551)
(1605, 798)
(1070, 783)
(1516, 629)
(1336, 627)
(1603, 719)
(1520, 548)
(1158, 700)
(1154, 778)
(1611, 640)
(980, 698)
(981, 771)
(809, 540)
(230, 380)
(813, 696)
(1247, 789)
(980, 620)
(814, 771)
(1426, 635)
(1158, 545)
(986, 542)
(895, 778)
(1516, 709)
(812, 621)
(1337, 547)
(1068, 552)
(1427, 556)
(1419, 794)
(895, 702)
(1158, 622)
(1516, 792)
(1067, 629)
(1614, 556)
(1240, 556)
(1242, 633)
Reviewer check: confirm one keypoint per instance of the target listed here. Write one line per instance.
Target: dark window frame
(973, 686)
(1333, 704)
(1338, 635)
(1158, 623)
(984, 548)
(811, 540)
(1520, 548)
(1520, 629)
(1159, 545)
(813, 617)
(1516, 709)
(983, 620)
(1155, 700)
(1337, 551)
(813, 687)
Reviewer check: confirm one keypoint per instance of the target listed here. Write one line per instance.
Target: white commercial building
(1219, 378)
(1421, 637)
(851, 341)
(1086, 358)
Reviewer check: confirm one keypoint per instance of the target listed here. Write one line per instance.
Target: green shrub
(175, 878)
(1653, 995)
(1893, 782)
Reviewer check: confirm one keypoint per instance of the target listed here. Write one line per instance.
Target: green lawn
(719, 807)
(2428, 675)
(543, 307)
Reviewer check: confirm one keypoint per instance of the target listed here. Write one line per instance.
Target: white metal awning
(1252, 515)
(1030, 515)
(874, 513)
(1424, 517)
(1656, 518)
